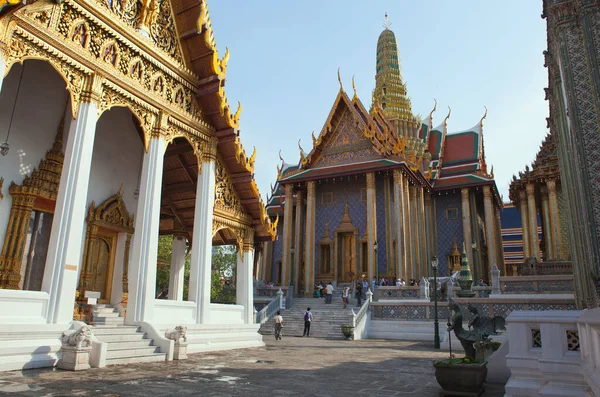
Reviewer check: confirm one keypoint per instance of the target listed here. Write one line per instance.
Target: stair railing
(269, 310)
(359, 321)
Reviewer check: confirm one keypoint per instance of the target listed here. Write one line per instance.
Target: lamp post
(436, 325)
(376, 264)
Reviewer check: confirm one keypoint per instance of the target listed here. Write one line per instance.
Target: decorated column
(490, 218)
(298, 240)
(422, 231)
(176, 273)
(244, 287)
(408, 246)
(144, 250)
(288, 222)
(66, 239)
(500, 250)
(554, 219)
(546, 228)
(466, 218)
(524, 224)
(399, 224)
(309, 243)
(371, 224)
(533, 228)
(201, 259)
(414, 233)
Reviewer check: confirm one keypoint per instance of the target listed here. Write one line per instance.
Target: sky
(466, 54)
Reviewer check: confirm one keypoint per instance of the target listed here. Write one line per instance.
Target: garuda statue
(482, 326)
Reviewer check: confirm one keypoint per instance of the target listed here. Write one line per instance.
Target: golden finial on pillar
(387, 23)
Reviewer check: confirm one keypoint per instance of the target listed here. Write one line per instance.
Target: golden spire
(354, 88)
(340, 80)
(387, 23)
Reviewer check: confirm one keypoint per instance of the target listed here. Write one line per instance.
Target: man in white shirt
(308, 317)
(346, 296)
(329, 292)
(278, 321)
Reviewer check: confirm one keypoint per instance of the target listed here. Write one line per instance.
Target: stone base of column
(180, 352)
(74, 359)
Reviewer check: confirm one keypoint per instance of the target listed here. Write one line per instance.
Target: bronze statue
(483, 327)
(466, 338)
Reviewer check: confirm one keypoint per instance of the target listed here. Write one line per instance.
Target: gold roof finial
(434, 108)
(448, 116)
(354, 88)
(483, 118)
(340, 80)
(387, 23)
(281, 158)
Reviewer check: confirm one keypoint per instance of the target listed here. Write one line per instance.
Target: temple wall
(381, 237)
(117, 158)
(447, 229)
(343, 189)
(39, 111)
(277, 250)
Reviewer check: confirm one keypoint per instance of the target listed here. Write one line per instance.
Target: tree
(224, 260)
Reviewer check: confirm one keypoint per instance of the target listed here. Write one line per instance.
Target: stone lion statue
(179, 334)
(79, 338)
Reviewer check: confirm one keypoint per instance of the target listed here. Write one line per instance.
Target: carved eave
(200, 53)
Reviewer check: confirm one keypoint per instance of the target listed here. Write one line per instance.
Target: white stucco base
(28, 347)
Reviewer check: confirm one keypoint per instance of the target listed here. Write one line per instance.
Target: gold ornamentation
(42, 183)
(226, 198)
(80, 33)
(110, 53)
(240, 155)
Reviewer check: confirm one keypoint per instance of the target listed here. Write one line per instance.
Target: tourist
(365, 287)
(329, 293)
(346, 296)
(320, 290)
(278, 320)
(398, 283)
(308, 317)
(359, 290)
(373, 282)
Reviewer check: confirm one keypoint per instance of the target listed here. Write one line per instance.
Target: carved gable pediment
(226, 198)
(111, 213)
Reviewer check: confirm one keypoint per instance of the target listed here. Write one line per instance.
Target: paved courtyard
(290, 367)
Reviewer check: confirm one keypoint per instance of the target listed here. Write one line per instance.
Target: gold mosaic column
(546, 228)
(525, 224)
(422, 232)
(466, 218)
(399, 224)
(490, 233)
(414, 234)
(298, 240)
(371, 223)
(408, 258)
(388, 222)
(533, 228)
(288, 222)
(500, 245)
(554, 220)
(309, 243)
(429, 227)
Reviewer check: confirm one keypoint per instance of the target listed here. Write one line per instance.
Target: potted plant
(461, 376)
(347, 331)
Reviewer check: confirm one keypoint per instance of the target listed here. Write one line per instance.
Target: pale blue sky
(464, 53)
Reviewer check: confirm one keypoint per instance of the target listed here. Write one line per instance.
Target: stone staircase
(126, 344)
(327, 319)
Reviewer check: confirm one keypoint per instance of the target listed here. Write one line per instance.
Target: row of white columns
(66, 240)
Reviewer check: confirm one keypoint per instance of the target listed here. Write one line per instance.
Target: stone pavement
(290, 367)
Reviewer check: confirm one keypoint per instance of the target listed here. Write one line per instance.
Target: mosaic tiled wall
(345, 188)
(564, 227)
(447, 229)
(277, 249)
(381, 238)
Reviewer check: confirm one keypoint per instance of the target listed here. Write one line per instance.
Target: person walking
(329, 293)
(308, 317)
(346, 296)
(359, 289)
(278, 320)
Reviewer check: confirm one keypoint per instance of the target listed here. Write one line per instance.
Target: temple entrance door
(346, 257)
(103, 262)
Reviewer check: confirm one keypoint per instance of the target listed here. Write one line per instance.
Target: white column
(144, 250)
(244, 287)
(201, 260)
(288, 222)
(66, 239)
(176, 272)
(2, 70)
(298, 241)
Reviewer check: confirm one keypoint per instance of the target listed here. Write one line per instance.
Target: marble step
(115, 338)
(138, 344)
(136, 359)
(137, 352)
(114, 330)
(98, 310)
(109, 320)
(105, 315)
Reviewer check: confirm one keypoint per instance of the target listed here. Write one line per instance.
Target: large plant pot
(461, 379)
(348, 331)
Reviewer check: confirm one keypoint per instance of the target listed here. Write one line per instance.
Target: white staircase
(327, 319)
(126, 344)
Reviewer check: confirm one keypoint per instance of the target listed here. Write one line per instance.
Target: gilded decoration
(41, 184)
(238, 230)
(90, 42)
(112, 214)
(226, 199)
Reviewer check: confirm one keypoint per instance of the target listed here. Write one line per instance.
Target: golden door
(347, 257)
(103, 262)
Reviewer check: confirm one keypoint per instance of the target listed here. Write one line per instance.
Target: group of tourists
(325, 292)
(278, 323)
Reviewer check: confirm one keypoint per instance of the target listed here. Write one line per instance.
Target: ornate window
(363, 195)
(452, 214)
(327, 198)
(325, 251)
